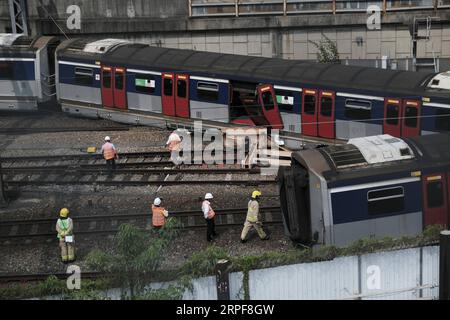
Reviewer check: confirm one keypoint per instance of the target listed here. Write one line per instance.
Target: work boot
(266, 237)
(243, 240)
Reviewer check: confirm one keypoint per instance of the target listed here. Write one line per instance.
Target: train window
(384, 201)
(435, 194)
(268, 100)
(326, 109)
(443, 120)
(6, 70)
(181, 88)
(168, 86)
(106, 79)
(358, 109)
(285, 100)
(118, 80)
(145, 83)
(310, 104)
(84, 76)
(208, 91)
(411, 117)
(392, 114)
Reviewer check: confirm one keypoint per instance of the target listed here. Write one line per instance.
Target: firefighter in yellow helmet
(253, 219)
(64, 227)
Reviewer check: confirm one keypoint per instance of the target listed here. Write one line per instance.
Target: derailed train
(137, 83)
(371, 187)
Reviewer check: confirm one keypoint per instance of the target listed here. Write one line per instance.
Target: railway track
(133, 169)
(21, 131)
(27, 230)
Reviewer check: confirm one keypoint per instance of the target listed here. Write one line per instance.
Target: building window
(268, 100)
(6, 70)
(84, 76)
(385, 201)
(411, 114)
(310, 104)
(435, 194)
(145, 83)
(168, 87)
(285, 100)
(443, 120)
(208, 91)
(392, 113)
(358, 109)
(326, 108)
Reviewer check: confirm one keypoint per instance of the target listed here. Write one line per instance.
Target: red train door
(435, 207)
(107, 87)
(326, 114)
(268, 101)
(182, 96)
(120, 88)
(167, 94)
(309, 113)
(392, 114)
(411, 118)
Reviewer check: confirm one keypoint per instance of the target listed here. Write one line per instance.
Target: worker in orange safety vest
(110, 154)
(159, 214)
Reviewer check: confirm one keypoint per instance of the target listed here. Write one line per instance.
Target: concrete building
(284, 29)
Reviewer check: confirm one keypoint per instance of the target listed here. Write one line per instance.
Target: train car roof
(382, 155)
(228, 65)
(88, 48)
(18, 45)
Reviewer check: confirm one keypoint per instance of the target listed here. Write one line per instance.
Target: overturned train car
(371, 187)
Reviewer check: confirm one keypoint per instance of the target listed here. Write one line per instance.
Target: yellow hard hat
(256, 193)
(64, 212)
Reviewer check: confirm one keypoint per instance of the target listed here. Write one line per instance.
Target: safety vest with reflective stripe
(64, 225)
(158, 217)
(211, 213)
(253, 211)
(108, 151)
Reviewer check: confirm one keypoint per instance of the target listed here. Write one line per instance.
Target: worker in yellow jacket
(253, 218)
(64, 227)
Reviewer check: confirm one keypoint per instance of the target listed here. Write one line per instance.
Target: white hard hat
(157, 202)
(208, 196)
(107, 138)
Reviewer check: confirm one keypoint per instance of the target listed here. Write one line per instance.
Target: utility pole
(444, 265)
(3, 198)
(19, 16)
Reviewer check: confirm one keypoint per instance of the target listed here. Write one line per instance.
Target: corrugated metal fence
(401, 274)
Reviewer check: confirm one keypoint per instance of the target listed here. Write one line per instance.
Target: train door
(392, 112)
(107, 87)
(411, 118)
(401, 118)
(326, 114)
(182, 96)
(120, 88)
(168, 94)
(435, 207)
(309, 113)
(269, 105)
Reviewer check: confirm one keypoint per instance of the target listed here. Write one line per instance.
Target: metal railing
(237, 8)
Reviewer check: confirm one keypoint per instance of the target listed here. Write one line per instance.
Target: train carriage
(133, 83)
(395, 187)
(26, 71)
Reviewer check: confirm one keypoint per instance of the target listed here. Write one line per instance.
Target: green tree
(327, 50)
(138, 253)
